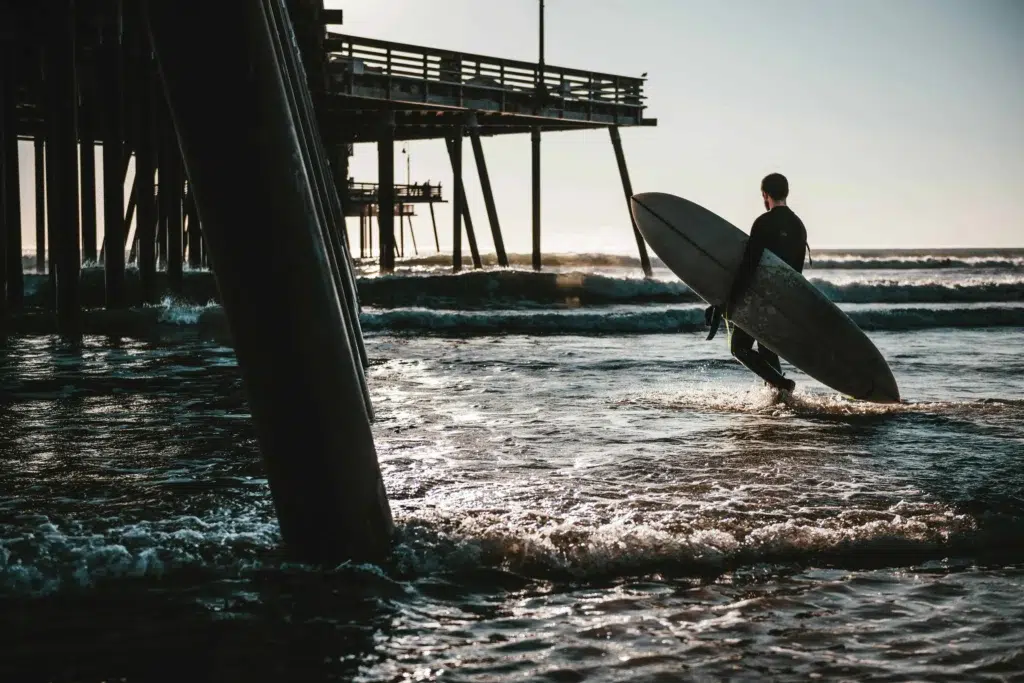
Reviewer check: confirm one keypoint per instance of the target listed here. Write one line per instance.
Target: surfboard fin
(713, 319)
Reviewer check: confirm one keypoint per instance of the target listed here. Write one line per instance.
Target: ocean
(584, 489)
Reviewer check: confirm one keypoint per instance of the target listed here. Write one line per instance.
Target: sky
(898, 124)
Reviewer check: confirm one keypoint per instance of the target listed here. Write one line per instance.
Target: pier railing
(367, 67)
(423, 192)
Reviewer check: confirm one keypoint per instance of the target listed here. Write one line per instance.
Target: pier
(224, 142)
(383, 92)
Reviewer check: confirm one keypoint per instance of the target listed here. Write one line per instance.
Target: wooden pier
(229, 135)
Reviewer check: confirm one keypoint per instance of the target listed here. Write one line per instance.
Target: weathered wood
(485, 186)
(459, 200)
(62, 166)
(535, 147)
(386, 194)
(455, 154)
(243, 158)
(11, 178)
(39, 147)
(115, 163)
(627, 188)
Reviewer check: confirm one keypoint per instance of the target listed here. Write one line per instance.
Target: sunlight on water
(582, 491)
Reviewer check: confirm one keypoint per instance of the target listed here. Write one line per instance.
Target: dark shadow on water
(273, 627)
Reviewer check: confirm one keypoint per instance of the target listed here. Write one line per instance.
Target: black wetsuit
(783, 233)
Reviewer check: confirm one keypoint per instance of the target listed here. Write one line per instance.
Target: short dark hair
(775, 186)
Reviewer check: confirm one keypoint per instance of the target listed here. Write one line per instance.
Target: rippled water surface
(603, 507)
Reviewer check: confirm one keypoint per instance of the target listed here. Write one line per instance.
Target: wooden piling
(243, 158)
(62, 166)
(195, 232)
(114, 168)
(362, 233)
(11, 178)
(485, 185)
(535, 143)
(39, 147)
(455, 154)
(627, 188)
(7, 128)
(172, 186)
(144, 189)
(386, 193)
(433, 222)
(327, 202)
(87, 155)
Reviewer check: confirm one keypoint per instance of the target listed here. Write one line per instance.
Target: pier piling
(627, 188)
(87, 154)
(7, 127)
(62, 166)
(535, 155)
(485, 186)
(386, 193)
(143, 188)
(244, 158)
(39, 148)
(11, 184)
(459, 198)
(195, 232)
(171, 188)
(327, 202)
(114, 227)
(455, 153)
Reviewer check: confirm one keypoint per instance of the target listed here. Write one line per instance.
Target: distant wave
(478, 323)
(918, 263)
(823, 260)
(525, 289)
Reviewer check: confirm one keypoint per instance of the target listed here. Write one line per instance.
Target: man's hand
(712, 318)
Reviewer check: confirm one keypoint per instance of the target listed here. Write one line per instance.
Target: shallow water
(569, 506)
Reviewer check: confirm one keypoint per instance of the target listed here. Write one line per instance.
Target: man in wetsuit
(782, 232)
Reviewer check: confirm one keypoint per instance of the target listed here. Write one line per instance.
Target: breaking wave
(470, 323)
(822, 260)
(519, 289)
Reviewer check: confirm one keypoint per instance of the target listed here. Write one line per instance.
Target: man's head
(774, 190)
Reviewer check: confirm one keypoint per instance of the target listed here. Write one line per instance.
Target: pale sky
(900, 123)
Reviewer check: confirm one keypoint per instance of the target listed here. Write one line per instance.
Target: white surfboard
(780, 309)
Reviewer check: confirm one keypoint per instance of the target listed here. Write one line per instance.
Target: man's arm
(745, 273)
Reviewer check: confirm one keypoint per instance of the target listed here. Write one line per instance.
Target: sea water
(583, 487)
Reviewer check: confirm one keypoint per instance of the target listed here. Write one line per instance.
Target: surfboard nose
(884, 390)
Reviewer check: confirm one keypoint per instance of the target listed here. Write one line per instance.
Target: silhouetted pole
(12, 184)
(87, 154)
(386, 192)
(39, 146)
(144, 189)
(627, 188)
(327, 202)
(246, 166)
(114, 228)
(455, 154)
(485, 186)
(62, 165)
(7, 129)
(433, 222)
(195, 232)
(535, 144)
(171, 188)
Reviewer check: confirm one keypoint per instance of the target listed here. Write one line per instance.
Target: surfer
(782, 232)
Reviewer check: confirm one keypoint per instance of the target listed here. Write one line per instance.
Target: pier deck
(428, 88)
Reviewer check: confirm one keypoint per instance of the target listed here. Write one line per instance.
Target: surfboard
(780, 309)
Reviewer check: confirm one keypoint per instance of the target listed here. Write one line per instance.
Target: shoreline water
(583, 488)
